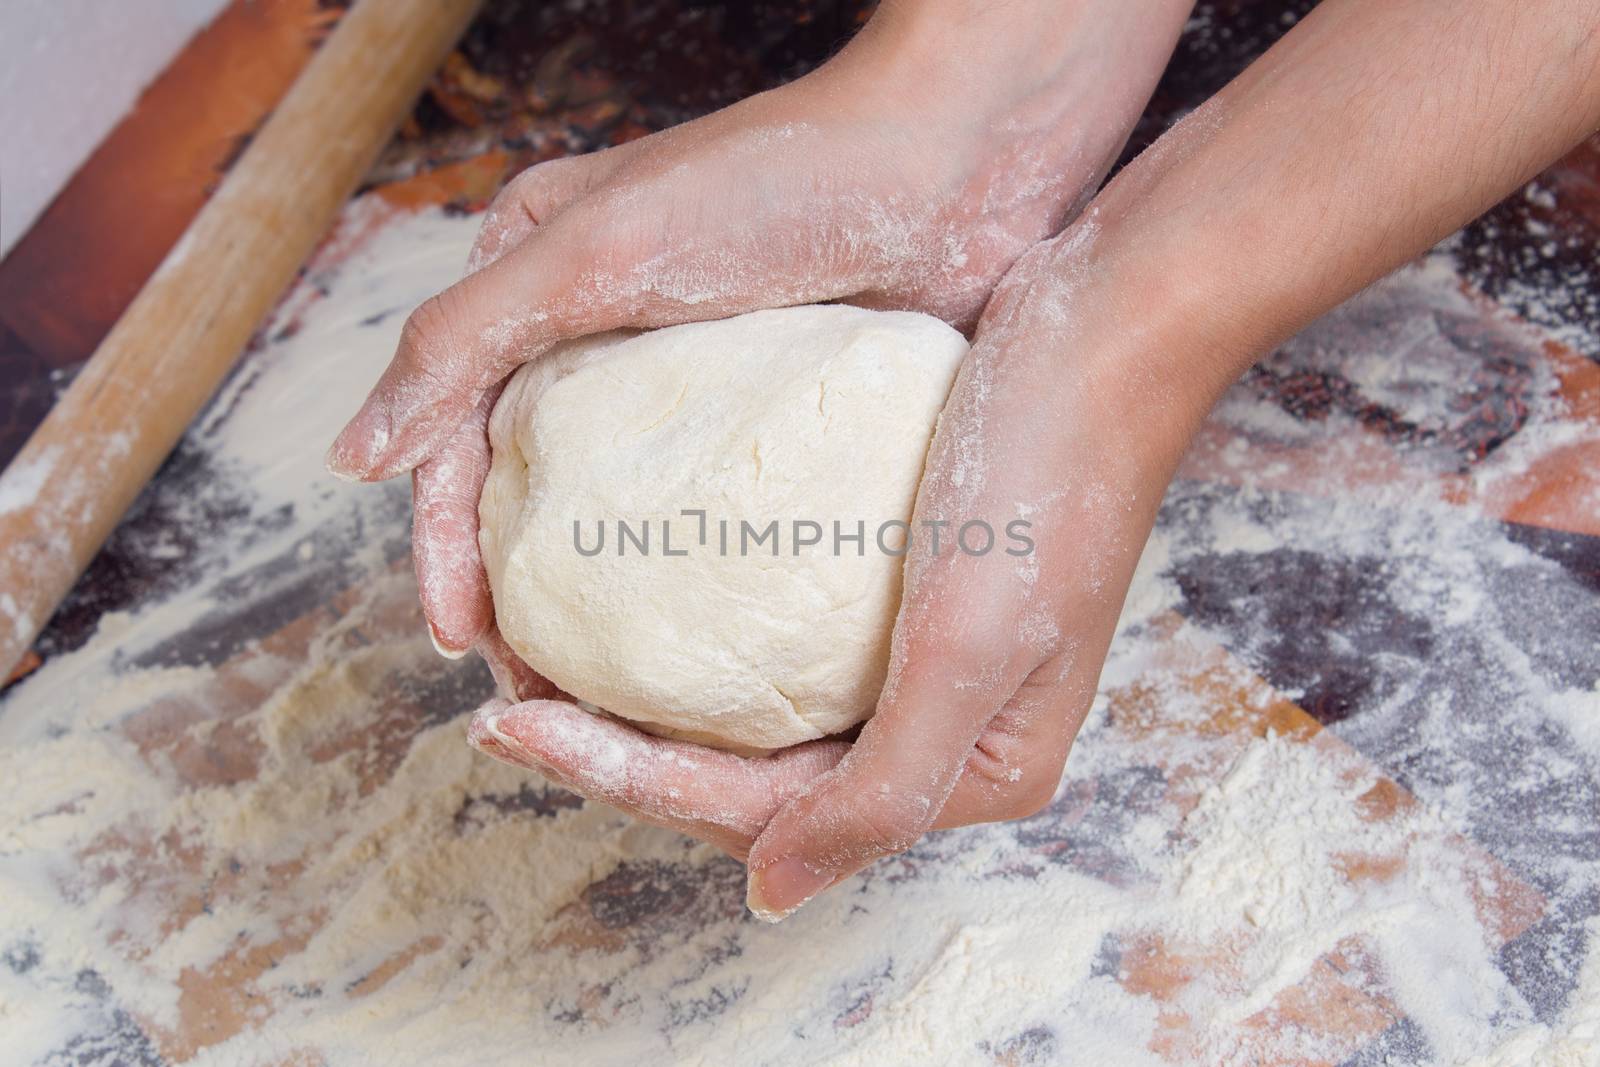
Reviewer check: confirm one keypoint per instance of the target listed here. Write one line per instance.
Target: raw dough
(817, 414)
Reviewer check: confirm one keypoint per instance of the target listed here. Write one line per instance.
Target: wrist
(1058, 81)
(1132, 335)
(989, 55)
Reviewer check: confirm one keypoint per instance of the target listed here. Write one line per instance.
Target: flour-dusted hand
(998, 645)
(713, 796)
(1368, 133)
(909, 172)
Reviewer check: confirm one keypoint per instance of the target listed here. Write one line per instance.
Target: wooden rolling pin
(80, 471)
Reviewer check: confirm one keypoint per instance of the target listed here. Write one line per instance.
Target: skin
(1371, 131)
(837, 186)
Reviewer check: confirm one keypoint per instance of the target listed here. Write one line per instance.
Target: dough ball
(810, 414)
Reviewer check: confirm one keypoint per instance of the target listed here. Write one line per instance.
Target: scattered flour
(286, 852)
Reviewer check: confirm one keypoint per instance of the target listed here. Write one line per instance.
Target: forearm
(1373, 130)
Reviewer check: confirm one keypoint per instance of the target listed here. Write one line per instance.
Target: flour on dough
(819, 414)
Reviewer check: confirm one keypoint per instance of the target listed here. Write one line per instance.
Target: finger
(458, 343)
(1015, 767)
(512, 675)
(714, 796)
(966, 639)
(528, 201)
(643, 253)
(451, 581)
(536, 195)
(943, 691)
(445, 489)
(481, 737)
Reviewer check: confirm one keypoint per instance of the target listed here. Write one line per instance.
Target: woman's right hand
(908, 172)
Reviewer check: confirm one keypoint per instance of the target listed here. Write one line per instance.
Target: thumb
(513, 303)
(891, 786)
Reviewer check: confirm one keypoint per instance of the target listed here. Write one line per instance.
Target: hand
(908, 172)
(995, 657)
(714, 796)
(1101, 352)
(1091, 367)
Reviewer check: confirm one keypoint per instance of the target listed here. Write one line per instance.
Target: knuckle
(426, 326)
(431, 332)
(521, 189)
(527, 190)
(1017, 781)
(886, 829)
(544, 189)
(515, 212)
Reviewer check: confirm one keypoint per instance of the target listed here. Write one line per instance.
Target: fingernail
(486, 736)
(356, 450)
(491, 726)
(483, 734)
(439, 647)
(777, 890)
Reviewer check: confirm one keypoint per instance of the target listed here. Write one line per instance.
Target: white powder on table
(296, 854)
